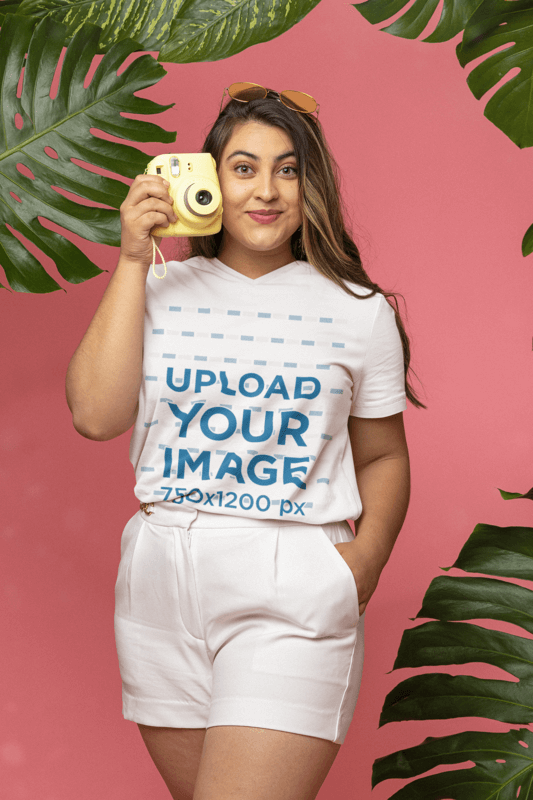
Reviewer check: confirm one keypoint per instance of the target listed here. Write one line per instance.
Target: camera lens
(203, 197)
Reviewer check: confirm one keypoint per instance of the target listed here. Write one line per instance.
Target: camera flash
(175, 167)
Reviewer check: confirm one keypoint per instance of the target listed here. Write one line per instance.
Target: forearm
(104, 375)
(384, 488)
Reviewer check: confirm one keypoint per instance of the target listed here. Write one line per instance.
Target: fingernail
(166, 183)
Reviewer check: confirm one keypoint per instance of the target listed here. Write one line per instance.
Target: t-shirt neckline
(270, 276)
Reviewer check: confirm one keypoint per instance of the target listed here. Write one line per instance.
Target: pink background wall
(440, 199)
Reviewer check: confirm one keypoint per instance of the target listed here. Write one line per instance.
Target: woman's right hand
(147, 203)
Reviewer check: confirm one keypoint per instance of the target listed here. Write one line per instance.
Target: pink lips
(262, 217)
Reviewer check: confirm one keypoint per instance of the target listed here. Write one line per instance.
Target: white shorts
(223, 620)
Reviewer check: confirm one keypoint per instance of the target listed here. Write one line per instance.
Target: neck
(253, 263)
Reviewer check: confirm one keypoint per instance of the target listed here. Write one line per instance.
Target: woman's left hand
(366, 569)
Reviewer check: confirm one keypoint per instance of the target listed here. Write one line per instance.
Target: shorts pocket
(128, 546)
(309, 588)
(348, 584)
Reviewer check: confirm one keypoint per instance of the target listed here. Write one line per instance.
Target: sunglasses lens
(246, 91)
(298, 101)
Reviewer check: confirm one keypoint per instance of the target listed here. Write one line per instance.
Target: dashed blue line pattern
(259, 314)
(207, 386)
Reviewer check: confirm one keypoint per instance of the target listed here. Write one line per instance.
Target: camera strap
(154, 248)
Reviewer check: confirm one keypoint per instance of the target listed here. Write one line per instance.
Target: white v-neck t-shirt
(248, 385)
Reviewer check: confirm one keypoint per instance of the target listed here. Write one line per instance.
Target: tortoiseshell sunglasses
(297, 101)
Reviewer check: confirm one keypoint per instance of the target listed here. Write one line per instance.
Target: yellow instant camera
(196, 192)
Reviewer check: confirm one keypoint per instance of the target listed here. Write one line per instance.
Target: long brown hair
(322, 239)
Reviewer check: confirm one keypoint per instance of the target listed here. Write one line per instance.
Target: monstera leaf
(503, 761)
(454, 16)
(503, 767)
(201, 30)
(40, 136)
(8, 7)
(146, 22)
(206, 30)
(497, 23)
(487, 25)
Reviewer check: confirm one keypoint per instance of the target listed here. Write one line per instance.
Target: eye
(245, 167)
(288, 170)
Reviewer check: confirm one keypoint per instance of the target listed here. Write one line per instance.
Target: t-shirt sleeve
(380, 391)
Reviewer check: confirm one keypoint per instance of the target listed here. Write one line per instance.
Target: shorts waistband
(171, 514)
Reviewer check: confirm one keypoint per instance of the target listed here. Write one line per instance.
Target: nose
(265, 188)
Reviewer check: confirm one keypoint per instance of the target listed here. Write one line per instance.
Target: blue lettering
(261, 496)
(267, 430)
(199, 499)
(168, 462)
(241, 498)
(260, 384)
(224, 382)
(200, 374)
(206, 418)
(226, 468)
(282, 510)
(296, 433)
(186, 380)
(185, 418)
(185, 458)
(298, 390)
(272, 473)
(289, 470)
(179, 497)
(273, 388)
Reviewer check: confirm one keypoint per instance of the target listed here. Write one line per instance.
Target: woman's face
(259, 182)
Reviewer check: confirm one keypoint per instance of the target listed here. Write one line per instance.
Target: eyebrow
(257, 158)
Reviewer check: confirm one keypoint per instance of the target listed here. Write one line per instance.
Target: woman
(265, 378)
